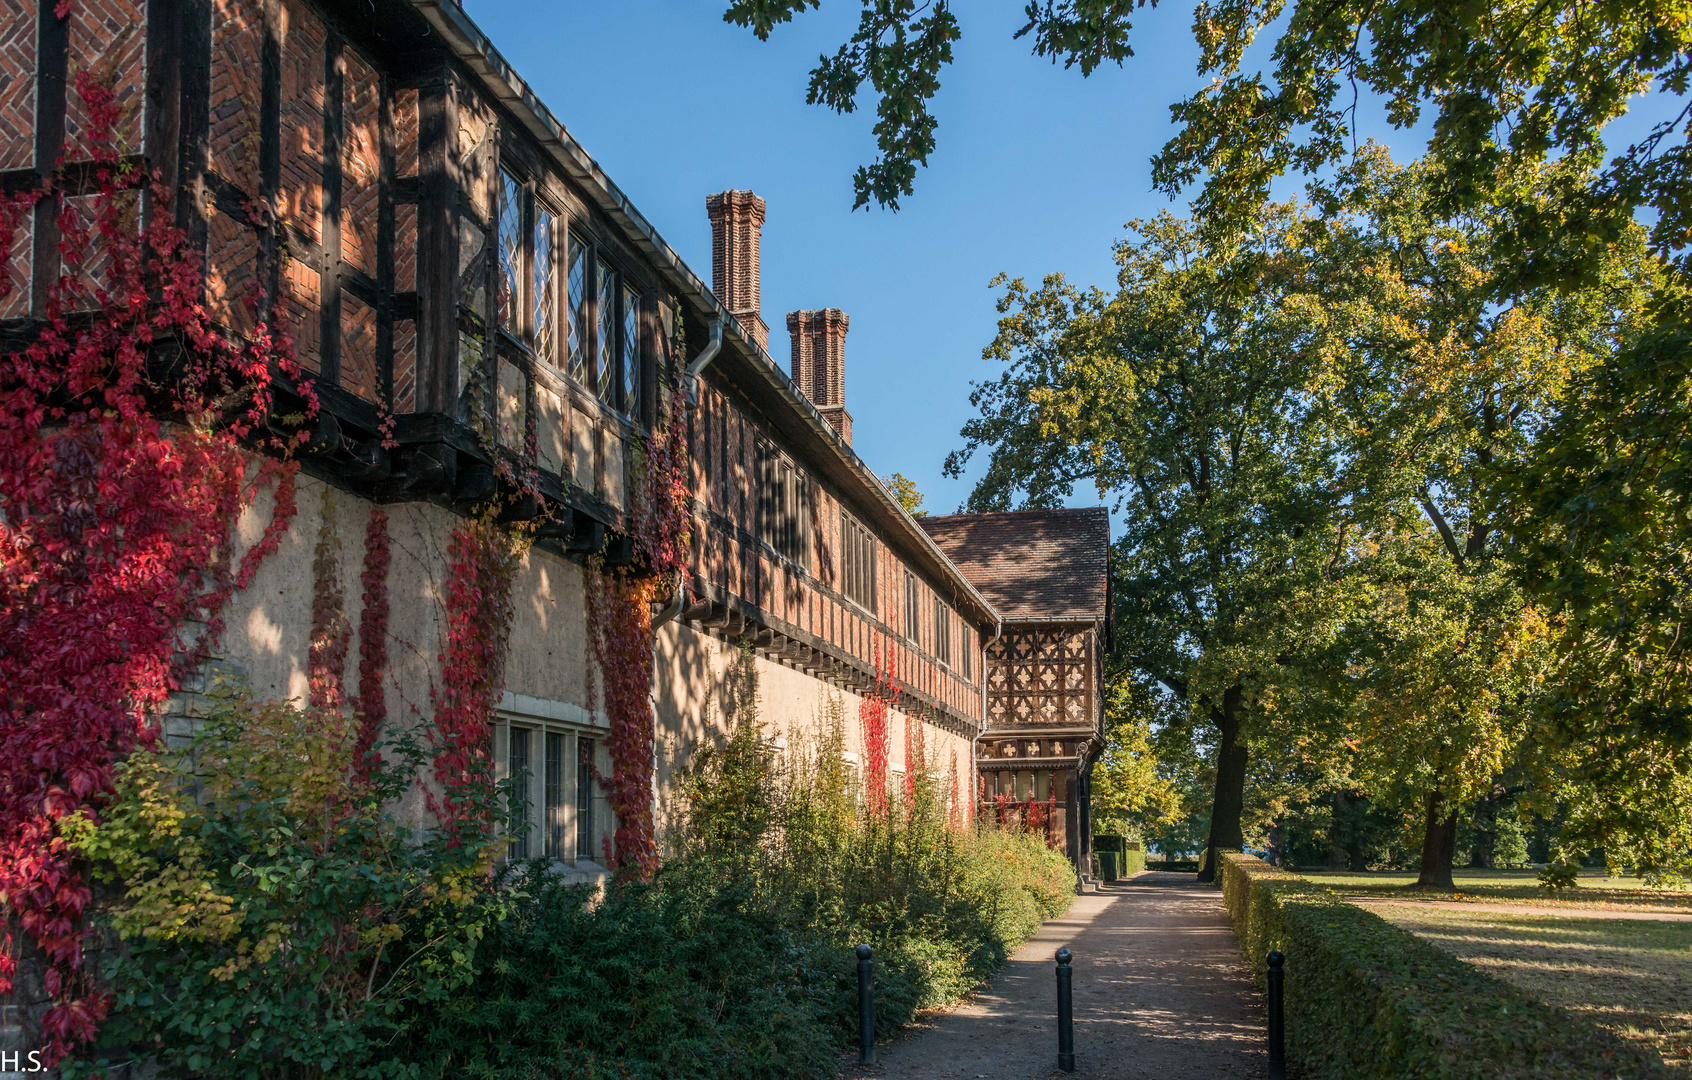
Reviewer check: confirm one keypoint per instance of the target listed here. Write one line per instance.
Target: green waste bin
(1110, 865)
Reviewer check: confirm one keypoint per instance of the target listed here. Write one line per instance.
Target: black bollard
(866, 1006)
(1066, 1011)
(1277, 1019)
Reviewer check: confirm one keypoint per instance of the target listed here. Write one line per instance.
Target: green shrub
(276, 920)
(684, 979)
(1133, 861)
(738, 960)
(1366, 999)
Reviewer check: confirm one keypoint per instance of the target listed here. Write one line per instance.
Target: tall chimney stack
(737, 224)
(819, 363)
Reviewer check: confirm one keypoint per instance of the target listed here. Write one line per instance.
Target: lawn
(1596, 889)
(1633, 977)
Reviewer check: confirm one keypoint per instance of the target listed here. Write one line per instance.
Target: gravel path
(1160, 991)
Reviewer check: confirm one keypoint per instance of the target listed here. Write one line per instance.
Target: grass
(1596, 889)
(1632, 977)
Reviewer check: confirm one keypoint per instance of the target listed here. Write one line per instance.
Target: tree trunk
(1439, 846)
(1229, 801)
(1336, 834)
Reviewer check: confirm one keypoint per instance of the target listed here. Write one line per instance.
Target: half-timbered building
(474, 301)
(1047, 574)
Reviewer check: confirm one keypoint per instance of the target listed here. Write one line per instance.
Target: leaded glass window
(584, 798)
(606, 332)
(631, 352)
(510, 249)
(517, 770)
(544, 295)
(554, 820)
(576, 304)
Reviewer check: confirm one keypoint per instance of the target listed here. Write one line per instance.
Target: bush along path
(1160, 991)
(1366, 998)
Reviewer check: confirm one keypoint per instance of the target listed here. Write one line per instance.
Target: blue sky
(1037, 171)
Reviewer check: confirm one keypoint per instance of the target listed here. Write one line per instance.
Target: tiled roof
(1032, 564)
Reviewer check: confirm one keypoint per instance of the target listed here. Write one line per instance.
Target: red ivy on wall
(331, 633)
(872, 713)
(619, 610)
(482, 564)
(115, 531)
(372, 703)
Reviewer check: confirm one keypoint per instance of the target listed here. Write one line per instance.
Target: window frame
(913, 610)
(553, 830)
(599, 263)
(859, 558)
(942, 631)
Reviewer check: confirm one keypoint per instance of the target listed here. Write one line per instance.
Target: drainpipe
(700, 362)
(981, 729)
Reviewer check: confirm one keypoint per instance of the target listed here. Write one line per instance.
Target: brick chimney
(737, 224)
(819, 363)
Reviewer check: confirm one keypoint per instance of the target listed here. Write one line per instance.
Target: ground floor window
(554, 805)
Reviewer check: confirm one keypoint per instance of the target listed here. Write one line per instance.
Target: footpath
(1160, 991)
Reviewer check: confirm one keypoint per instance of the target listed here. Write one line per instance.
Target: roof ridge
(1016, 513)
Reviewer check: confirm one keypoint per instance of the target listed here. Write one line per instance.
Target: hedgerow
(1366, 999)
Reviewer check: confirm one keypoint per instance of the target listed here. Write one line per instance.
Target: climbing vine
(872, 713)
(372, 704)
(619, 617)
(483, 560)
(116, 530)
(331, 633)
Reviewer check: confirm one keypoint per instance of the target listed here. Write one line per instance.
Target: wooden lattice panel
(1040, 678)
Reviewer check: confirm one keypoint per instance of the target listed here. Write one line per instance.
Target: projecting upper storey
(375, 177)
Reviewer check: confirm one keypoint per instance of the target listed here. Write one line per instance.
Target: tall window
(517, 773)
(967, 651)
(584, 798)
(913, 625)
(606, 332)
(576, 305)
(543, 295)
(510, 251)
(784, 500)
(553, 822)
(857, 562)
(942, 631)
(631, 352)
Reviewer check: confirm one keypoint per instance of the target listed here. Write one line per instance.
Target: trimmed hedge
(1366, 999)
(1133, 861)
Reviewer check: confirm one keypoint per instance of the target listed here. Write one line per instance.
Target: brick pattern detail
(819, 363)
(17, 267)
(358, 347)
(109, 39)
(737, 224)
(405, 366)
(232, 260)
(405, 133)
(17, 85)
(301, 194)
(91, 276)
(302, 295)
(405, 247)
(359, 162)
(236, 85)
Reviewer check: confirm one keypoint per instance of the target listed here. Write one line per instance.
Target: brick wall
(737, 223)
(17, 84)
